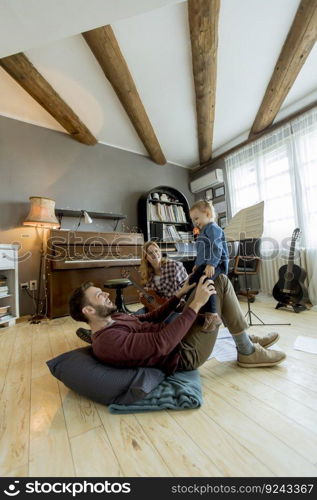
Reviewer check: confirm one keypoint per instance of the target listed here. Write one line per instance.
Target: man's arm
(165, 310)
(161, 313)
(138, 346)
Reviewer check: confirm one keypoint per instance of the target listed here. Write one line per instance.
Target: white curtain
(281, 169)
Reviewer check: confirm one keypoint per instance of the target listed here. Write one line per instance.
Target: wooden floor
(254, 422)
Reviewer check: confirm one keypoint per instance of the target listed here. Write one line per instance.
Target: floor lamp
(42, 215)
(247, 224)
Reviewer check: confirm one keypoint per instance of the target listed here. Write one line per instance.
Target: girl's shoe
(212, 323)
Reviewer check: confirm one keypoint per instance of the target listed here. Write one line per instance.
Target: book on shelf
(170, 233)
(173, 233)
(6, 317)
(167, 213)
(186, 235)
(4, 290)
(188, 248)
(153, 212)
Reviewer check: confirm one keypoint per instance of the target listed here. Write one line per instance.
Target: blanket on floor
(176, 392)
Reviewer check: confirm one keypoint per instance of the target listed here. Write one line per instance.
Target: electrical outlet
(33, 285)
(24, 285)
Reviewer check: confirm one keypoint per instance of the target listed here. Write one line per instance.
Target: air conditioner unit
(206, 181)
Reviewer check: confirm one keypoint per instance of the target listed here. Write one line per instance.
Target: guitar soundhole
(288, 276)
(150, 299)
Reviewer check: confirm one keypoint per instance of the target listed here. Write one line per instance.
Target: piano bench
(118, 285)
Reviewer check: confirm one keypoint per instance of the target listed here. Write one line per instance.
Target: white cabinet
(9, 285)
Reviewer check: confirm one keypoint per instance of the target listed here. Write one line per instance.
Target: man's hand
(209, 271)
(185, 288)
(203, 292)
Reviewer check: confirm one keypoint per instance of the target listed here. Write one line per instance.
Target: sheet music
(246, 224)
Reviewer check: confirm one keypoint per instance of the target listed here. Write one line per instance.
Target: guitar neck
(290, 263)
(146, 295)
(139, 287)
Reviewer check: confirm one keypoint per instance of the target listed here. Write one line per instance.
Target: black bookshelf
(153, 229)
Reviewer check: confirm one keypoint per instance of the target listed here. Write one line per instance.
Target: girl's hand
(209, 271)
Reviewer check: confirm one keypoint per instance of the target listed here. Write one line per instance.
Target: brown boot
(212, 323)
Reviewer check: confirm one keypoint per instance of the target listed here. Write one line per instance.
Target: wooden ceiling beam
(298, 44)
(25, 74)
(203, 18)
(106, 50)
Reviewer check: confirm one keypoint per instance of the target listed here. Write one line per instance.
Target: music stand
(247, 224)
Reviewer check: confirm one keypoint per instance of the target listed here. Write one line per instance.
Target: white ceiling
(154, 39)
(31, 23)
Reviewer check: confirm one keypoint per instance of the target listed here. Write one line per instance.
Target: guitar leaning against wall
(290, 289)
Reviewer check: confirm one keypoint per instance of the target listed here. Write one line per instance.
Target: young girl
(212, 256)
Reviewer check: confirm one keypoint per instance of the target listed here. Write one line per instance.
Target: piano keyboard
(118, 262)
(90, 263)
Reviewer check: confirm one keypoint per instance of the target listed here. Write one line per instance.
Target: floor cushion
(82, 372)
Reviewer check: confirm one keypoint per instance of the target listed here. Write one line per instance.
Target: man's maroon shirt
(144, 340)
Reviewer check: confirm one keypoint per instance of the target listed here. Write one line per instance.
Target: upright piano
(73, 257)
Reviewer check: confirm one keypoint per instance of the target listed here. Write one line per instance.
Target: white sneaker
(266, 341)
(260, 357)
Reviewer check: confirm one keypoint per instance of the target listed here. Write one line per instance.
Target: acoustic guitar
(149, 298)
(290, 289)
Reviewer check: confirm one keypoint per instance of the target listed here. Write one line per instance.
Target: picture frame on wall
(222, 221)
(219, 191)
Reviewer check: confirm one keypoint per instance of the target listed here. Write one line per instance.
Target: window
(281, 169)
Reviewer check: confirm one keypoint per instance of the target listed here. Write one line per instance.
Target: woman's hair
(146, 270)
(204, 206)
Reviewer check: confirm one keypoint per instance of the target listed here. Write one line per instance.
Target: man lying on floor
(124, 340)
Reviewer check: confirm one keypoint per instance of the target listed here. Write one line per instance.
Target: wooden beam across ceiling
(105, 48)
(298, 44)
(25, 74)
(203, 18)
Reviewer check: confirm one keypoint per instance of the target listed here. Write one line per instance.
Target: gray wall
(35, 161)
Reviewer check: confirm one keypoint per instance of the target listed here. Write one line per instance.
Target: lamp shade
(42, 213)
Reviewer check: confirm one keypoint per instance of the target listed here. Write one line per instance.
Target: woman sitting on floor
(160, 274)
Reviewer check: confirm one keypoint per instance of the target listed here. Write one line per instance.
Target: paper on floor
(307, 344)
(225, 348)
